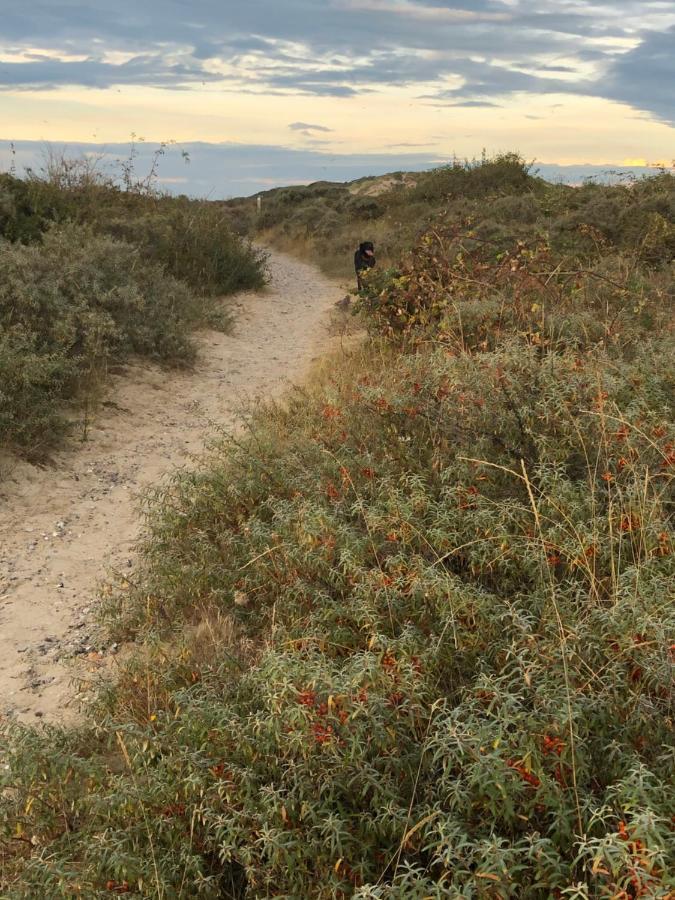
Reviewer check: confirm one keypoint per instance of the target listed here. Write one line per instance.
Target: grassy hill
(411, 634)
(500, 197)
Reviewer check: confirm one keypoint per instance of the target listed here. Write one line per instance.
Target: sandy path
(62, 530)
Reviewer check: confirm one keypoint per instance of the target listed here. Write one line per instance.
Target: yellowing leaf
(425, 821)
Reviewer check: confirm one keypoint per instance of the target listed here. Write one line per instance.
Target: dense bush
(20, 219)
(192, 239)
(365, 208)
(458, 572)
(69, 307)
(91, 273)
(502, 198)
(194, 242)
(471, 290)
(505, 174)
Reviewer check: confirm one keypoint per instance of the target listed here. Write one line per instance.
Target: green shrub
(471, 286)
(91, 273)
(192, 239)
(515, 209)
(500, 198)
(308, 219)
(504, 174)
(69, 307)
(195, 244)
(20, 218)
(31, 386)
(366, 208)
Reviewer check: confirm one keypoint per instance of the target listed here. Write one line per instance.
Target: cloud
(620, 50)
(645, 77)
(422, 13)
(151, 70)
(306, 126)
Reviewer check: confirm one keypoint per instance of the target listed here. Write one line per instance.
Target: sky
(265, 92)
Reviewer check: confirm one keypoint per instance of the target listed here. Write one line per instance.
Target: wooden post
(259, 204)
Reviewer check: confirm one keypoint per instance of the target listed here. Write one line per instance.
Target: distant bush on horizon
(503, 195)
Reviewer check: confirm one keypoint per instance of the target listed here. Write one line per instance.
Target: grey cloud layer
(472, 52)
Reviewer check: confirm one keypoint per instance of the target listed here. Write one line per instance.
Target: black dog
(364, 259)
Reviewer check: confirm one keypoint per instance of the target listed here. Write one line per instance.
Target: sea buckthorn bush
(69, 308)
(448, 668)
(500, 200)
(474, 292)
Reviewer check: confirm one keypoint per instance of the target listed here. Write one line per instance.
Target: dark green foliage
(505, 174)
(365, 208)
(21, 219)
(195, 244)
(192, 239)
(69, 307)
(32, 384)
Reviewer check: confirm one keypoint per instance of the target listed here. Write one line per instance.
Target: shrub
(68, 308)
(501, 198)
(504, 174)
(20, 219)
(515, 209)
(192, 239)
(93, 273)
(195, 244)
(366, 208)
(471, 289)
(31, 385)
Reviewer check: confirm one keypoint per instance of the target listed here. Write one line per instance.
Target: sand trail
(65, 528)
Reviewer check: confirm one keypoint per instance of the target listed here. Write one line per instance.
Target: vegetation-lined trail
(62, 529)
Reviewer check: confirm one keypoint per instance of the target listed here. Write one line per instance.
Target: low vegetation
(91, 274)
(502, 197)
(410, 634)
